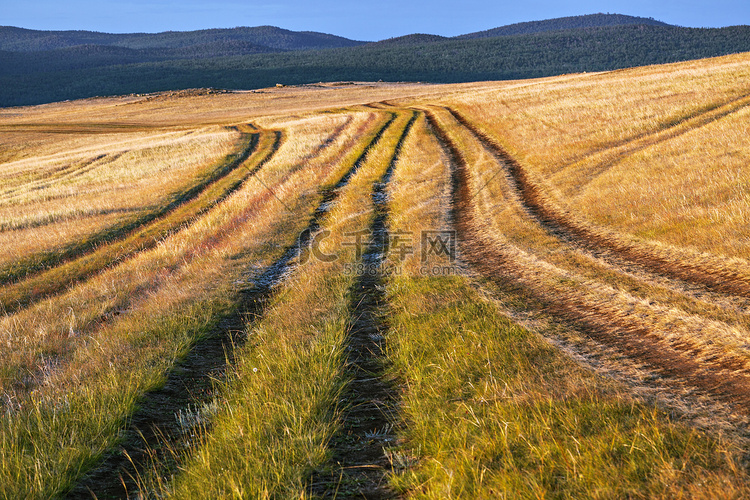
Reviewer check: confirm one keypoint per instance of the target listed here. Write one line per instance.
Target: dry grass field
(522, 289)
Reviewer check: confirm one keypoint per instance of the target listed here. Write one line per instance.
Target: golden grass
(696, 344)
(96, 186)
(608, 210)
(692, 190)
(583, 135)
(279, 408)
(80, 260)
(182, 109)
(711, 271)
(31, 141)
(419, 200)
(103, 343)
(63, 319)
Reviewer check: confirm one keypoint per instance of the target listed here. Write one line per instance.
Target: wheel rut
(623, 271)
(716, 275)
(157, 426)
(359, 465)
(41, 262)
(722, 377)
(41, 182)
(613, 153)
(100, 252)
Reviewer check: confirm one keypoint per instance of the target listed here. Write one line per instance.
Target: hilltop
(271, 38)
(564, 23)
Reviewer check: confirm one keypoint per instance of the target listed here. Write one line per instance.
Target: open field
(523, 289)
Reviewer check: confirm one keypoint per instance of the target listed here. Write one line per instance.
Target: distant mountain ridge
(269, 38)
(22, 40)
(251, 58)
(413, 39)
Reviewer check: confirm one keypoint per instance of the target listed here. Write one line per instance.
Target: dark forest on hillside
(236, 59)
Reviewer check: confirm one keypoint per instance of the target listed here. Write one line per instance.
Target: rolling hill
(564, 23)
(39, 67)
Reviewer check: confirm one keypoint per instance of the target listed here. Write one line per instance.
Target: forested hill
(23, 40)
(563, 24)
(89, 70)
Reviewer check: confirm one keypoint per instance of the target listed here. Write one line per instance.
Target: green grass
(49, 442)
(47, 445)
(278, 407)
(494, 411)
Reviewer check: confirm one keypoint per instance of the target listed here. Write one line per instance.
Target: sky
(358, 20)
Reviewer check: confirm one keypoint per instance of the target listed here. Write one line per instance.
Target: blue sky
(371, 20)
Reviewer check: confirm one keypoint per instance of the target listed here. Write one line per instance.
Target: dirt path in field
(631, 327)
(167, 419)
(50, 177)
(359, 464)
(696, 284)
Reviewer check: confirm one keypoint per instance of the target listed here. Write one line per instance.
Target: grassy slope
(97, 193)
(492, 410)
(584, 138)
(97, 251)
(53, 434)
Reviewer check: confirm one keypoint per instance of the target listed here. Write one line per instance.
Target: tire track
(35, 264)
(727, 276)
(55, 218)
(325, 144)
(145, 234)
(612, 319)
(43, 181)
(155, 428)
(35, 180)
(607, 266)
(680, 126)
(60, 175)
(359, 465)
